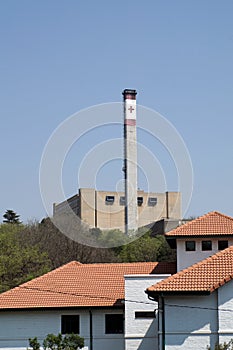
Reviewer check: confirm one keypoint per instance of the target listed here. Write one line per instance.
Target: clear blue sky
(58, 57)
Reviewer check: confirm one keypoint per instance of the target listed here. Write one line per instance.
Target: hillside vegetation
(28, 251)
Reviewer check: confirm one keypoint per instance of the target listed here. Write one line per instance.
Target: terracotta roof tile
(205, 276)
(76, 284)
(213, 223)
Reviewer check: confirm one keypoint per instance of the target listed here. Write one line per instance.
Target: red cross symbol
(131, 109)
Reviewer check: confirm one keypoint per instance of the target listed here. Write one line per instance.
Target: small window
(114, 324)
(144, 314)
(152, 201)
(140, 201)
(70, 324)
(190, 246)
(206, 245)
(222, 245)
(109, 199)
(122, 200)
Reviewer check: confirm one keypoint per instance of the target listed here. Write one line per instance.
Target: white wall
(140, 333)
(225, 299)
(185, 259)
(17, 327)
(191, 322)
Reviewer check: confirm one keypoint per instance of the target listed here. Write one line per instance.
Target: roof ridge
(122, 263)
(62, 267)
(77, 263)
(191, 222)
(224, 215)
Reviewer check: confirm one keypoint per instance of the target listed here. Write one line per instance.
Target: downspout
(217, 317)
(91, 329)
(163, 323)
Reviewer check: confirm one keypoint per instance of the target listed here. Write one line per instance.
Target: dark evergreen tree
(10, 217)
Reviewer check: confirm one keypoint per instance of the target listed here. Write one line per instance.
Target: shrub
(224, 346)
(57, 342)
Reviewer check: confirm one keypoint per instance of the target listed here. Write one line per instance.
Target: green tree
(58, 342)
(146, 248)
(61, 249)
(34, 344)
(10, 217)
(19, 261)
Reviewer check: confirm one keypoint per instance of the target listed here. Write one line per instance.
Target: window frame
(205, 249)
(221, 241)
(108, 323)
(67, 321)
(189, 249)
(144, 314)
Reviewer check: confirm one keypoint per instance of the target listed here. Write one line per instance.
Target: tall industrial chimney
(130, 160)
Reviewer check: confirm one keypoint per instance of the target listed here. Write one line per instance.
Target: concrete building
(106, 210)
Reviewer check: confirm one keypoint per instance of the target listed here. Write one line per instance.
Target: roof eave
(156, 294)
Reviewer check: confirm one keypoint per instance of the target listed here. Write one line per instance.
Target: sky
(61, 57)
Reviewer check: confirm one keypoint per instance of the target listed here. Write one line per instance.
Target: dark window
(222, 245)
(140, 201)
(70, 324)
(152, 201)
(144, 314)
(109, 199)
(190, 246)
(114, 323)
(122, 200)
(206, 245)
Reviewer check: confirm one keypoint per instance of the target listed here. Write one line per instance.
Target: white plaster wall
(185, 259)
(225, 299)
(140, 333)
(101, 340)
(17, 327)
(191, 322)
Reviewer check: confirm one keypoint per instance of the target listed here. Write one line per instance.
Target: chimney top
(129, 94)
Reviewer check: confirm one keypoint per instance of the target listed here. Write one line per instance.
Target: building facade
(196, 303)
(106, 210)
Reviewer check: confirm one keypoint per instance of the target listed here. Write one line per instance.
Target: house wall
(191, 322)
(17, 327)
(225, 300)
(185, 259)
(140, 333)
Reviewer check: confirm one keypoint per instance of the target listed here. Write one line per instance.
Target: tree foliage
(58, 342)
(19, 261)
(10, 217)
(146, 248)
(224, 346)
(28, 251)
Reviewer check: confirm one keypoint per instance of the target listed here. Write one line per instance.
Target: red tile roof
(213, 223)
(205, 276)
(78, 285)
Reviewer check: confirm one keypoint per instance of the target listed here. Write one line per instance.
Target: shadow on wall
(191, 326)
(150, 339)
